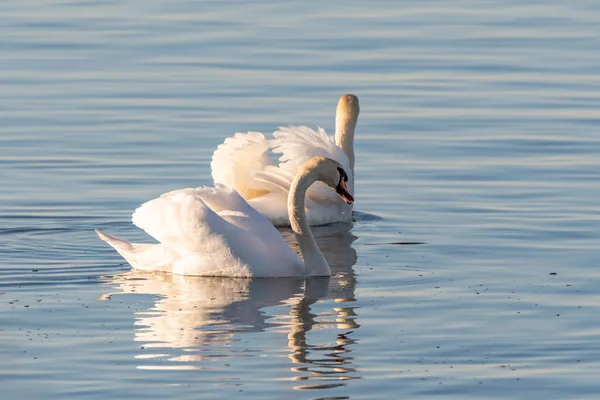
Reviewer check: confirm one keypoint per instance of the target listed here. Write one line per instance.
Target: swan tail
(236, 160)
(141, 256)
(122, 246)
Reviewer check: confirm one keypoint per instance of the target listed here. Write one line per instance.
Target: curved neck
(314, 262)
(346, 116)
(344, 137)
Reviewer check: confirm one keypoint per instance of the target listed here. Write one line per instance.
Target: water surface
(471, 268)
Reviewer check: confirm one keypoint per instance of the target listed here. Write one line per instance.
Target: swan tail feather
(141, 256)
(122, 246)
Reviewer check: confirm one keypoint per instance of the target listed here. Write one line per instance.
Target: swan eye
(343, 174)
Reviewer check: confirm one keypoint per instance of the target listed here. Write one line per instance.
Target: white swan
(242, 162)
(215, 232)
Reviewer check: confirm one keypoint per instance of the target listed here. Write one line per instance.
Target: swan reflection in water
(196, 319)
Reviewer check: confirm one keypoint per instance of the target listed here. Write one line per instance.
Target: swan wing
(235, 210)
(183, 220)
(275, 178)
(298, 144)
(222, 198)
(235, 161)
(188, 219)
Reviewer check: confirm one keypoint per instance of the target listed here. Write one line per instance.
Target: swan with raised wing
(215, 232)
(242, 162)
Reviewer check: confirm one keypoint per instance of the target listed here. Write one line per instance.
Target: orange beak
(344, 193)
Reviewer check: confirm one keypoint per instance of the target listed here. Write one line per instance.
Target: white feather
(235, 161)
(207, 232)
(243, 163)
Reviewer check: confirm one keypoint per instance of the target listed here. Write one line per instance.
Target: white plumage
(242, 162)
(215, 232)
(207, 232)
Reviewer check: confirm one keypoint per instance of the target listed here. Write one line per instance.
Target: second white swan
(242, 163)
(215, 232)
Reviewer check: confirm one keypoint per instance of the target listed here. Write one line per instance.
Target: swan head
(332, 174)
(348, 108)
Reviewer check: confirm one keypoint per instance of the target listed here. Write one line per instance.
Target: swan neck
(314, 262)
(346, 117)
(344, 138)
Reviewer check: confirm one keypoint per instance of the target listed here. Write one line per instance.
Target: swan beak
(342, 190)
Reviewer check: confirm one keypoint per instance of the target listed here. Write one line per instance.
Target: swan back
(214, 232)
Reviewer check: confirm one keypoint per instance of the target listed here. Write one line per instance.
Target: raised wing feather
(236, 160)
(297, 145)
(275, 178)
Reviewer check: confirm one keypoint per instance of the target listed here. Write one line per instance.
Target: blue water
(471, 270)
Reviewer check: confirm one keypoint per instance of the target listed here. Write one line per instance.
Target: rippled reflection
(199, 311)
(196, 320)
(326, 365)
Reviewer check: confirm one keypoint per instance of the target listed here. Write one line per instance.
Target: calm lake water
(471, 271)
